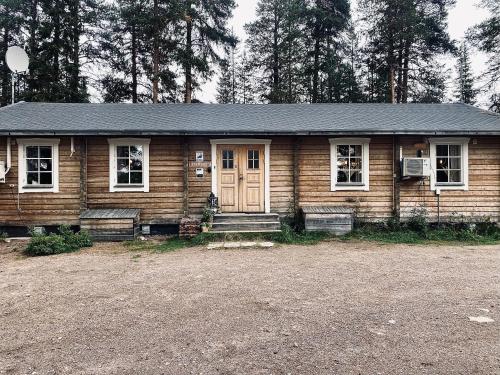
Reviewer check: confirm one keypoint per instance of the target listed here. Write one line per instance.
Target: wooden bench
(114, 224)
(335, 219)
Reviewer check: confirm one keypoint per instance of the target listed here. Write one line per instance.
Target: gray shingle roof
(62, 118)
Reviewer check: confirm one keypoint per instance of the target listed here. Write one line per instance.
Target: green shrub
(64, 242)
(73, 240)
(42, 244)
(3, 236)
(418, 220)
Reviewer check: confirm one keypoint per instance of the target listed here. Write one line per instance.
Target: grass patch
(286, 236)
(378, 233)
(431, 235)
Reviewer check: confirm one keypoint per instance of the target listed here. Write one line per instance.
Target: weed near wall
(64, 242)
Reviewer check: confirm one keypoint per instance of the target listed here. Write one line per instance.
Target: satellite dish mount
(18, 61)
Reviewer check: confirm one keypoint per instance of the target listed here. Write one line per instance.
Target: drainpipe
(9, 156)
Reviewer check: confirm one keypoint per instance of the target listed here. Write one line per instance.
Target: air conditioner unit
(2, 172)
(416, 167)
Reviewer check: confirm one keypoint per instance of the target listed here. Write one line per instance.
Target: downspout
(72, 147)
(9, 156)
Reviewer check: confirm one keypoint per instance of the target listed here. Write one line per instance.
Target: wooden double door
(241, 178)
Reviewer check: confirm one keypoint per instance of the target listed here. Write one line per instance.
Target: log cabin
(58, 160)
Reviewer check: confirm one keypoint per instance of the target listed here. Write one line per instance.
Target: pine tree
(276, 50)
(486, 36)
(225, 84)
(203, 25)
(465, 91)
(327, 19)
(404, 36)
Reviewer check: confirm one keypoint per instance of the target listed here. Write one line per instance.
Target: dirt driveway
(335, 308)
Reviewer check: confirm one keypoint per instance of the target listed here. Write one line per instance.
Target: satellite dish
(17, 59)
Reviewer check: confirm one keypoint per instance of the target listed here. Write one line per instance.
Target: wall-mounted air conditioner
(2, 172)
(416, 167)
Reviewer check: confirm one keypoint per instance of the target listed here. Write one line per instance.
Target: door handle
(241, 177)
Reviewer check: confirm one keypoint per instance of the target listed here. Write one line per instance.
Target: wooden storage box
(111, 224)
(334, 219)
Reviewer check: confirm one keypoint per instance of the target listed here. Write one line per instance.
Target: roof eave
(242, 133)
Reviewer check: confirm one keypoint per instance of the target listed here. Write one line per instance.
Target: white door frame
(245, 141)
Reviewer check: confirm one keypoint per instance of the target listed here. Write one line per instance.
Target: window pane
(122, 165)
(256, 164)
(45, 164)
(454, 163)
(355, 150)
(341, 176)
(342, 150)
(123, 177)
(455, 150)
(355, 163)
(46, 178)
(136, 177)
(46, 152)
(455, 176)
(32, 152)
(122, 151)
(442, 150)
(136, 152)
(442, 176)
(136, 165)
(442, 163)
(355, 177)
(32, 165)
(32, 179)
(342, 163)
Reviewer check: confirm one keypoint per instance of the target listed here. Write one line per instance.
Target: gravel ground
(334, 308)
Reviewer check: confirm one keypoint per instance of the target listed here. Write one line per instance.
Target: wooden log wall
(165, 203)
(480, 201)
(42, 208)
(315, 187)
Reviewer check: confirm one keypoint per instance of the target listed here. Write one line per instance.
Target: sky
(463, 15)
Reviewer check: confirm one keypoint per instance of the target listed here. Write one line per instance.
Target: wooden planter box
(334, 219)
(111, 224)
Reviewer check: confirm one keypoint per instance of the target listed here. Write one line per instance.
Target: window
(449, 163)
(227, 159)
(38, 165)
(253, 159)
(129, 164)
(349, 163)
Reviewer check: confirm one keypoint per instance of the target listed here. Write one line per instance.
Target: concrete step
(245, 231)
(237, 218)
(246, 226)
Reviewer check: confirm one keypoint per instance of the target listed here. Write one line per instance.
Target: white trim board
(462, 141)
(113, 142)
(21, 164)
(365, 143)
(245, 141)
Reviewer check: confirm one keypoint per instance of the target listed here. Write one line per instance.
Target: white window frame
(464, 142)
(22, 182)
(365, 144)
(113, 184)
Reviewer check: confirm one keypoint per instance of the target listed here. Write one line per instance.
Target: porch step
(246, 223)
(239, 218)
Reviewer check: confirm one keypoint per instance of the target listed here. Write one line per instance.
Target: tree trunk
(400, 74)
(5, 70)
(189, 55)
(275, 97)
(134, 63)
(33, 27)
(54, 84)
(315, 94)
(156, 52)
(406, 64)
(74, 84)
